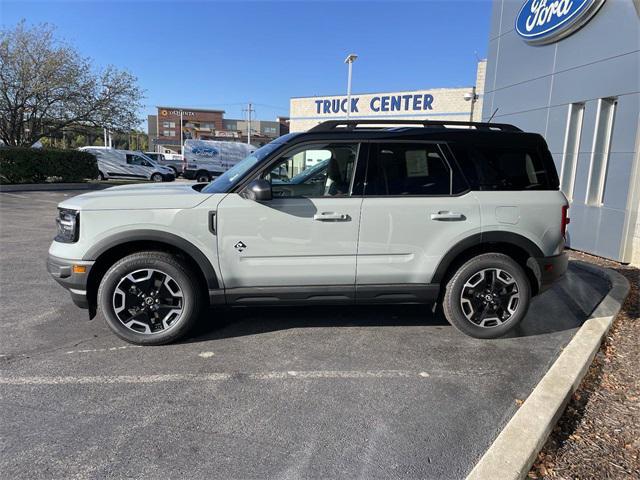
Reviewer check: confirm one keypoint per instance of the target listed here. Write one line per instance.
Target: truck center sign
(381, 103)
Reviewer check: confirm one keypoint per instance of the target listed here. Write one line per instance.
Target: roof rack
(332, 125)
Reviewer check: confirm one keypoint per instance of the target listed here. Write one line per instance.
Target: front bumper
(168, 177)
(63, 272)
(549, 269)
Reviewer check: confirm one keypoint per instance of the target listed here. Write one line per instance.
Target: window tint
(137, 160)
(408, 169)
(489, 167)
(314, 171)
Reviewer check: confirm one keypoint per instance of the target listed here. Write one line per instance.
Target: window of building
(600, 151)
(314, 171)
(169, 124)
(169, 133)
(571, 148)
(408, 169)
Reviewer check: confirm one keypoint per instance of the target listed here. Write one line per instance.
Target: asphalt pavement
(322, 392)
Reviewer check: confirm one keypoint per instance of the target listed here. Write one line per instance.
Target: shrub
(39, 165)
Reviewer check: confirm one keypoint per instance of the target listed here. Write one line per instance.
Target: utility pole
(249, 111)
(105, 136)
(181, 137)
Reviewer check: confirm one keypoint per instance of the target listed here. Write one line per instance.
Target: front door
(303, 243)
(414, 210)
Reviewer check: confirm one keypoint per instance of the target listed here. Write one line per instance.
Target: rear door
(138, 167)
(415, 208)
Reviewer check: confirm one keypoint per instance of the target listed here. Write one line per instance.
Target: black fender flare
(479, 239)
(157, 236)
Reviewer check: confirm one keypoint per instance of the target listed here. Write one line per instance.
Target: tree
(46, 85)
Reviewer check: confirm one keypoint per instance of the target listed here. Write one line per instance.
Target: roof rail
(332, 125)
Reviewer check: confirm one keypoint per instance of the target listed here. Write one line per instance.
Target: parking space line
(109, 349)
(220, 376)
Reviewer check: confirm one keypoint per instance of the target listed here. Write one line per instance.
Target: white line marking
(211, 377)
(110, 349)
(206, 354)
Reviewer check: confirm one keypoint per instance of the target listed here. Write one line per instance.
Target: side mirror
(259, 191)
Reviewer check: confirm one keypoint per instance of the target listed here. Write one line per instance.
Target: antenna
(493, 115)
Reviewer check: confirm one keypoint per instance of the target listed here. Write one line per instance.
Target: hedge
(39, 165)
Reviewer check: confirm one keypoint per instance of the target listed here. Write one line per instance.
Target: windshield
(231, 177)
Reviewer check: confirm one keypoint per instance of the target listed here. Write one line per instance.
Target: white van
(129, 164)
(206, 159)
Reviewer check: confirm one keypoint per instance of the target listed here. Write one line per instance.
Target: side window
(488, 167)
(321, 170)
(137, 160)
(408, 169)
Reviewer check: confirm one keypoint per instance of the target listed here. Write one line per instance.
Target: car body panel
(400, 242)
(284, 244)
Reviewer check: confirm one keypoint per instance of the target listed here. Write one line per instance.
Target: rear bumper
(550, 269)
(62, 272)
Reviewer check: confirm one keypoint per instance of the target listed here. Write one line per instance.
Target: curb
(513, 452)
(51, 187)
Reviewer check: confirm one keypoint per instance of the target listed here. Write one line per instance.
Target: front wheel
(150, 298)
(203, 177)
(487, 296)
(156, 177)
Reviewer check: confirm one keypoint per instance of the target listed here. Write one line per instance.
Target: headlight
(68, 222)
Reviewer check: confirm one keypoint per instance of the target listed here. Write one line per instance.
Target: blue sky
(222, 54)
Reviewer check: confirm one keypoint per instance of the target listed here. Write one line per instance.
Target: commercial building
(206, 124)
(571, 72)
(463, 103)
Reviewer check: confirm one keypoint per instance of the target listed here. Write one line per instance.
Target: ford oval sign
(545, 21)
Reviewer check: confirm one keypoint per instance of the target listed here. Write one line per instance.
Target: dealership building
(570, 70)
(463, 103)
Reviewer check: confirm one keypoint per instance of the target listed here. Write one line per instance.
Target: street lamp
(349, 61)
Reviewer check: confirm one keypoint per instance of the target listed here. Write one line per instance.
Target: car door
(415, 208)
(137, 166)
(302, 244)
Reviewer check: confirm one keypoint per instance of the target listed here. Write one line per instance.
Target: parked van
(128, 164)
(206, 159)
(173, 161)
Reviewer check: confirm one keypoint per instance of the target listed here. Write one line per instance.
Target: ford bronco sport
(466, 215)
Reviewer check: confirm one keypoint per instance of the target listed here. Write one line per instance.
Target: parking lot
(322, 392)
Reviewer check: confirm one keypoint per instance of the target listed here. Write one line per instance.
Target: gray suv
(464, 215)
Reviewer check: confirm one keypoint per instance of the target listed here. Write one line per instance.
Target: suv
(467, 215)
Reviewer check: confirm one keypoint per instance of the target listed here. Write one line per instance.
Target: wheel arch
(111, 249)
(516, 246)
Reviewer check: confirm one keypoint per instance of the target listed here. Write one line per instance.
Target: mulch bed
(598, 436)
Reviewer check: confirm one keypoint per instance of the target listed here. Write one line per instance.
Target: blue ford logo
(545, 21)
(204, 151)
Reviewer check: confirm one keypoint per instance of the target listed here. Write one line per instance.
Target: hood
(138, 197)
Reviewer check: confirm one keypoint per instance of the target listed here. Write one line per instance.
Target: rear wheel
(156, 177)
(203, 177)
(487, 296)
(150, 298)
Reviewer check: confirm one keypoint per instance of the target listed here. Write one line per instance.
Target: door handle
(331, 217)
(446, 216)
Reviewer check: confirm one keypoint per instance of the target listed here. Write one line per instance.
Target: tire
(157, 177)
(145, 277)
(203, 177)
(487, 296)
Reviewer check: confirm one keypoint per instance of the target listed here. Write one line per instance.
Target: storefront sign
(545, 21)
(381, 103)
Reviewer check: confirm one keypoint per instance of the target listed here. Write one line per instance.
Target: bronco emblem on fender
(240, 246)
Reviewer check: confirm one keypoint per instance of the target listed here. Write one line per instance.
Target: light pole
(349, 61)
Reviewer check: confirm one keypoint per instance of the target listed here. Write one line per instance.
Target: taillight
(565, 220)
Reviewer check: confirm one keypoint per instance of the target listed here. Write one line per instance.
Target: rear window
(490, 167)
